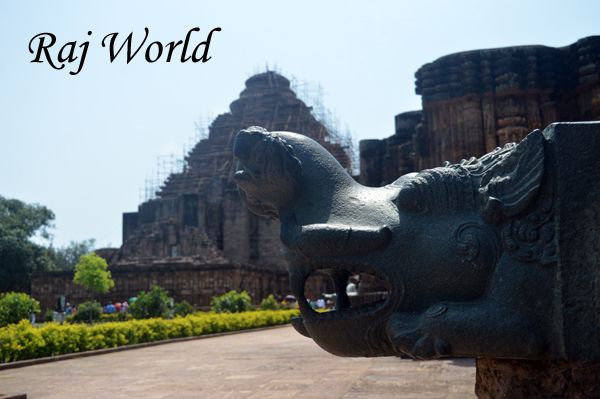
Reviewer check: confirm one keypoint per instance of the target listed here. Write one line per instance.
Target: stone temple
(196, 239)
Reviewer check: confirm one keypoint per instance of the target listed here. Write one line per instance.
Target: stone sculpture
(492, 257)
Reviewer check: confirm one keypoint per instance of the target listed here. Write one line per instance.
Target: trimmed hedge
(23, 341)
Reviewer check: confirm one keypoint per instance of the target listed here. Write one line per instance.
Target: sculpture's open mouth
(348, 292)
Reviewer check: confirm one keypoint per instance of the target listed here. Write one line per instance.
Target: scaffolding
(310, 93)
(313, 96)
(172, 164)
(201, 126)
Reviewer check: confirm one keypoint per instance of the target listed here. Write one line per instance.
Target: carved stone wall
(185, 279)
(478, 100)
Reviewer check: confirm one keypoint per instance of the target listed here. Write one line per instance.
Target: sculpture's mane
(452, 187)
(504, 186)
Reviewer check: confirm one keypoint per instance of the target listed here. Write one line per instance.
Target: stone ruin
(197, 212)
(478, 100)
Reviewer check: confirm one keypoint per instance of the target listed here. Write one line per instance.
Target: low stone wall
(196, 284)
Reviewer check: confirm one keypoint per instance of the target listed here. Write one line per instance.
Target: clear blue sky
(83, 145)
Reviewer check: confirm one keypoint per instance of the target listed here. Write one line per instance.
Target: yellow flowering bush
(23, 341)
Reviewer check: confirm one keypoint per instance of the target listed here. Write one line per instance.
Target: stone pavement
(277, 363)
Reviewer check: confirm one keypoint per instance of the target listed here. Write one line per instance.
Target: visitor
(124, 307)
(320, 303)
(351, 288)
(68, 309)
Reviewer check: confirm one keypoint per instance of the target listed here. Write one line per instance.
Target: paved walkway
(277, 363)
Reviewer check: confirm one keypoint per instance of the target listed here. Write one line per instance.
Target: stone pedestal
(531, 379)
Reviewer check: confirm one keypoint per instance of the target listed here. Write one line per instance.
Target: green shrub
(23, 341)
(269, 303)
(49, 315)
(16, 306)
(231, 302)
(88, 312)
(183, 308)
(154, 303)
(119, 316)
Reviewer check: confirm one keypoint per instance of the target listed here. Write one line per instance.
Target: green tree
(16, 306)
(92, 273)
(65, 258)
(20, 256)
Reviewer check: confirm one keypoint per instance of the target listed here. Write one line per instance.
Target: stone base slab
(531, 379)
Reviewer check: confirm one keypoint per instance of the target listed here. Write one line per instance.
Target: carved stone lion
(469, 252)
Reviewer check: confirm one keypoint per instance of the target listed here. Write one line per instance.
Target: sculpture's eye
(410, 199)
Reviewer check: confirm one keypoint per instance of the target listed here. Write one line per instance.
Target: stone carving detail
(471, 245)
(469, 252)
(531, 239)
